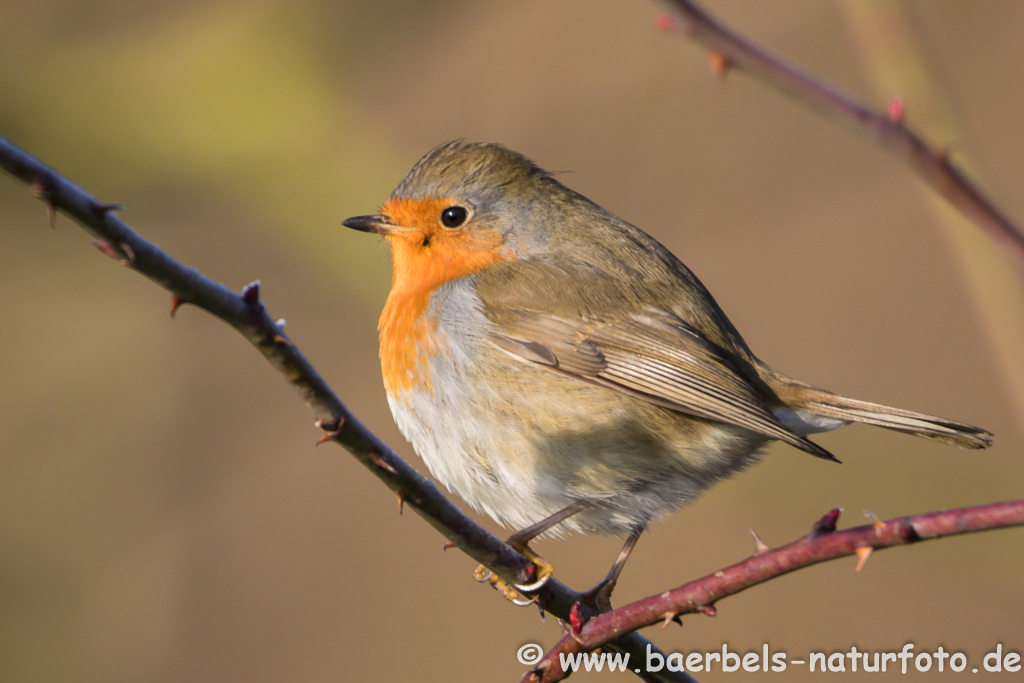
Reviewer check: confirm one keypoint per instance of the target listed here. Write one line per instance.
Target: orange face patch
(425, 255)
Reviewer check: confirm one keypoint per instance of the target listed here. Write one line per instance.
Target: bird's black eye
(454, 216)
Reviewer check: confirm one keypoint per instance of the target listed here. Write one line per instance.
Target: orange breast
(424, 256)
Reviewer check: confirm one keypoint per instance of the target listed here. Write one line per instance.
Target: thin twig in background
(896, 60)
(730, 50)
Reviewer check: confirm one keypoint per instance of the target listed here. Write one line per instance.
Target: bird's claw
(519, 593)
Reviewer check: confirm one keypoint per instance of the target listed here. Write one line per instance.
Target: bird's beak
(377, 224)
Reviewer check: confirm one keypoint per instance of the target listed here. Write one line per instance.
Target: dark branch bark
(821, 545)
(889, 130)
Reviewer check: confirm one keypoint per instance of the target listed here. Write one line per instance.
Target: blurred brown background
(163, 513)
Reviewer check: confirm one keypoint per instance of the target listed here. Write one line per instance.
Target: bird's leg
(541, 568)
(600, 595)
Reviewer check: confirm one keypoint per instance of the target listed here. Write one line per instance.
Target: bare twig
(247, 314)
(730, 50)
(822, 544)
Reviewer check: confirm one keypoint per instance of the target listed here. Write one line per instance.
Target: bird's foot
(591, 603)
(538, 572)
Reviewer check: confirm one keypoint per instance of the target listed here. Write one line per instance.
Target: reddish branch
(822, 544)
(247, 314)
(730, 50)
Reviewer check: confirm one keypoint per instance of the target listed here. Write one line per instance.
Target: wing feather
(654, 357)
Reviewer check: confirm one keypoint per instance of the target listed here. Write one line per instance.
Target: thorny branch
(822, 544)
(731, 50)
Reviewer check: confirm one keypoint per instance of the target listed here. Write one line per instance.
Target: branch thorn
(331, 428)
(106, 249)
(670, 617)
(720, 64)
(251, 294)
(863, 553)
(760, 547)
(401, 501)
(709, 610)
(42, 189)
(102, 210)
(447, 545)
(378, 460)
(896, 110)
(875, 521)
(127, 249)
(176, 302)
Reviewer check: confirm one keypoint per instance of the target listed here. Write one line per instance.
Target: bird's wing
(651, 354)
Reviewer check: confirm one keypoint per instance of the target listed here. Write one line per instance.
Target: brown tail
(827, 404)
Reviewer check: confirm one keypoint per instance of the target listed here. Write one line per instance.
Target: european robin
(561, 370)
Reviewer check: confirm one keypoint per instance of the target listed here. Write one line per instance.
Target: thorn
(127, 249)
(378, 460)
(102, 210)
(709, 610)
(112, 253)
(281, 339)
(826, 524)
(331, 428)
(896, 110)
(720, 64)
(670, 617)
(401, 502)
(863, 553)
(251, 294)
(665, 22)
(42, 189)
(875, 521)
(760, 547)
(106, 249)
(447, 545)
(176, 302)
(540, 608)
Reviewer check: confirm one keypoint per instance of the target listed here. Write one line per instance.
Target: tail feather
(826, 404)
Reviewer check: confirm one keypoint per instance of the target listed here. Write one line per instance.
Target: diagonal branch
(931, 163)
(821, 545)
(247, 314)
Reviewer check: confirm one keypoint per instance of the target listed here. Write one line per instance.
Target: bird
(562, 371)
